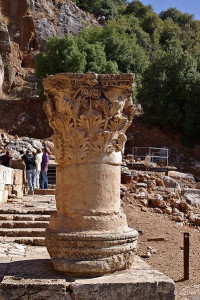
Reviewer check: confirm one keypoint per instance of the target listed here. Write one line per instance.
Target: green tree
(74, 55)
(61, 55)
(171, 34)
(177, 16)
(107, 8)
(140, 10)
(171, 92)
(163, 51)
(95, 56)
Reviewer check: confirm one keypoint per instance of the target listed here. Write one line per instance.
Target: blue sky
(189, 6)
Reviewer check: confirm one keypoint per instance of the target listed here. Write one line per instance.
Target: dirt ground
(168, 258)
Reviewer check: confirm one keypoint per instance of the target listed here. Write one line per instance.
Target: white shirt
(38, 160)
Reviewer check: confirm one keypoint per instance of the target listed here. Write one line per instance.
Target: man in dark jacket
(5, 159)
(29, 160)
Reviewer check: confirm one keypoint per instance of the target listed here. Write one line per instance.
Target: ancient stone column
(88, 235)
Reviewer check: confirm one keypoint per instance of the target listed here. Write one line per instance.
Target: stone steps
(33, 241)
(52, 174)
(23, 224)
(22, 232)
(25, 221)
(27, 211)
(24, 217)
(44, 191)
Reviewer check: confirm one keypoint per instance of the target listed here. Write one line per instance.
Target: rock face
(25, 118)
(5, 46)
(1, 76)
(30, 23)
(89, 115)
(31, 20)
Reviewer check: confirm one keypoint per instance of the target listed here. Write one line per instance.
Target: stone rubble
(17, 144)
(176, 195)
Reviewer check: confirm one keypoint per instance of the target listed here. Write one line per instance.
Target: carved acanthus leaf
(75, 148)
(118, 124)
(91, 124)
(61, 124)
(89, 114)
(120, 142)
(103, 142)
(58, 146)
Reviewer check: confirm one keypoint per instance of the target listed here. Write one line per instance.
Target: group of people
(36, 169)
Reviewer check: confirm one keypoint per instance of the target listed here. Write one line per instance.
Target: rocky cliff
(25, 26)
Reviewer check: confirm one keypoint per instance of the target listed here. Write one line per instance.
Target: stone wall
(11, 182)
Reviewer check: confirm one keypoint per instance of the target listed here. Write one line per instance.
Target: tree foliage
(171, 92)
(163, 50)
(107, 8)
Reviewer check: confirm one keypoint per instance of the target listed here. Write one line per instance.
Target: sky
(185, 6)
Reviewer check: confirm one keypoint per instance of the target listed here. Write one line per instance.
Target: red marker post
(186, 255)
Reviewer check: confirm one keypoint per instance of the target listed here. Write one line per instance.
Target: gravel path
(168, 258)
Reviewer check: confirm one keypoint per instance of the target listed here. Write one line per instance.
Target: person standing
(5, 159)
(29, 160)
(44, 169)
(38, 161)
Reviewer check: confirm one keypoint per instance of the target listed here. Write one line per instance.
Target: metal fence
(150, 154)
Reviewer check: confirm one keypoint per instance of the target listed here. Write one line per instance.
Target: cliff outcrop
(25, 26)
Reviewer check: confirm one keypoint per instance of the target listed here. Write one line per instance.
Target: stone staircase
(52, 174)
(24, 221)
(51, 182)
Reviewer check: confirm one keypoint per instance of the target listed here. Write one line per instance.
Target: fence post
(186, 254)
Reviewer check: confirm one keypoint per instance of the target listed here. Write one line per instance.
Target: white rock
(171, 183)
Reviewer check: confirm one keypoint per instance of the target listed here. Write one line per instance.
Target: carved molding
(89, 114)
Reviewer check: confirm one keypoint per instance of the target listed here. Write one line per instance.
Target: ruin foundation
(89, 234)
(34, 278)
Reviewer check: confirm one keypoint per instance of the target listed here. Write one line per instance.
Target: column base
(90, 255)
(31, 278)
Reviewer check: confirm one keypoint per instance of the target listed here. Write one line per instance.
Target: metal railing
(150, 154)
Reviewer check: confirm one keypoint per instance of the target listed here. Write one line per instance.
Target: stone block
(6, 175)
(3, 193)
(18, 190)
(17, 177)
(35, 279)
(17, 288)
(138, 283)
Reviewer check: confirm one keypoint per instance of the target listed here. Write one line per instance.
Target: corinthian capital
(89, 114)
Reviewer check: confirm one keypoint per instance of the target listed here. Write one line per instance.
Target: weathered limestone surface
(138, 283)
(1, 76)
(6, 175)
(6, 179)
(33, 279)
(11, 182)
(89, 234)
(192, 196)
